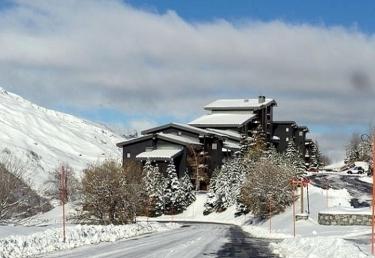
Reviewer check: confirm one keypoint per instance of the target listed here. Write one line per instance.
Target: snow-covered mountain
(42, 139)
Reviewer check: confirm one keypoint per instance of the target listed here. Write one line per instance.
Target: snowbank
(51, 239)
(347, 210)
(317, 247)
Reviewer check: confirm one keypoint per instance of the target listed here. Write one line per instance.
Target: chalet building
(200, 146)
(240, 115)
(285, 131)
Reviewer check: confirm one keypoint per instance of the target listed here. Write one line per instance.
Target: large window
(214, 146)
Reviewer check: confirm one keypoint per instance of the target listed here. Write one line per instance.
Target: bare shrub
(110, 193)
(17, 199)
(74, 187)
(267, 184)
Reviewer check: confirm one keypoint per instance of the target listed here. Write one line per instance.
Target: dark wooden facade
(206, 146)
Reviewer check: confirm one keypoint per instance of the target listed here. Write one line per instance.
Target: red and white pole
(294, 211)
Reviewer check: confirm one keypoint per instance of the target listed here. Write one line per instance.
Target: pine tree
(225, 186)
(154, 184)
(293, 156)
(188, 189)
(173, 192)
(257, 145)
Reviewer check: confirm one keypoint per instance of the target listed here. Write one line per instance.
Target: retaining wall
(344, 219)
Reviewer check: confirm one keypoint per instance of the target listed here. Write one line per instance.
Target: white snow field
(43, 138)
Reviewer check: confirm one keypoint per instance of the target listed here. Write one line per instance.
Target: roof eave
(129, 142)
(166, 138)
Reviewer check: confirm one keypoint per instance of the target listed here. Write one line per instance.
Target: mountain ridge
(41, 139)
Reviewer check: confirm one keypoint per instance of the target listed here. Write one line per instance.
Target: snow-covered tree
(188, 189)
(225, 185)
(257, 145)
(352, 150)
(174, 201)
(267, 184)
(316, 157)
(293, 156)
(154, 184)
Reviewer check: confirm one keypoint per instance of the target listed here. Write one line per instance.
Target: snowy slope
(44, 138)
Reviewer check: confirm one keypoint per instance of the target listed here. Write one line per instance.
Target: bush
(267, 184)
(110, 193)
(17, 199)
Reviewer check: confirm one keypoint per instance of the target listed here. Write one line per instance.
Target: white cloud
(91, 53)
(140, 125)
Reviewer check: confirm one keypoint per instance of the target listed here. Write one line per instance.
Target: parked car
(356, 170)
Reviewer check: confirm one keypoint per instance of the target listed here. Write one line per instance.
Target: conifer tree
(173, 192)
(154, 184)
(188, 189)
(257, 145)
(293, 156)
(225, 186)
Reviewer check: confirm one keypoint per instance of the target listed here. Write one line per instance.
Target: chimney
(261, 99)
(246, 100)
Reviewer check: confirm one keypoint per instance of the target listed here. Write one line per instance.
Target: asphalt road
(358, 189)
(191, 240)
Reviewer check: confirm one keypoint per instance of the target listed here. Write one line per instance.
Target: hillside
(43, 138)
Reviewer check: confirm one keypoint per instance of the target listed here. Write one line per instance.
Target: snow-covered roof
(179, 139)
(131, 141)
(239, 104)
(232, 145)
(275, 138)
(182, 139)
(181, 126)
(228, 133)
(222, 120)
(159, 154)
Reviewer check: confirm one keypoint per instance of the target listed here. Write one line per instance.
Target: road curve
(191, 240)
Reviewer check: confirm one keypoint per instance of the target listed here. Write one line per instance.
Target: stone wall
(344, 219)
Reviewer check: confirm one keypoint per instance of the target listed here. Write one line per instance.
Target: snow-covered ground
(43, 138)
(195, 213)
(312, 239)
(51, 239)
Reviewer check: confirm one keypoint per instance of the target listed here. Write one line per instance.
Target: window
(287, 129)
(287, 139)
(301, 133)
(214, 146)
(128, 155)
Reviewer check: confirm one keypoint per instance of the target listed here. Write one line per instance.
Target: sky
(134, 64)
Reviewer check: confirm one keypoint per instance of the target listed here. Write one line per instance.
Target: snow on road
(194, 240)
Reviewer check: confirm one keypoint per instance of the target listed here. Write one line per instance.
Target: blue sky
(135, 64)
(351, 14)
